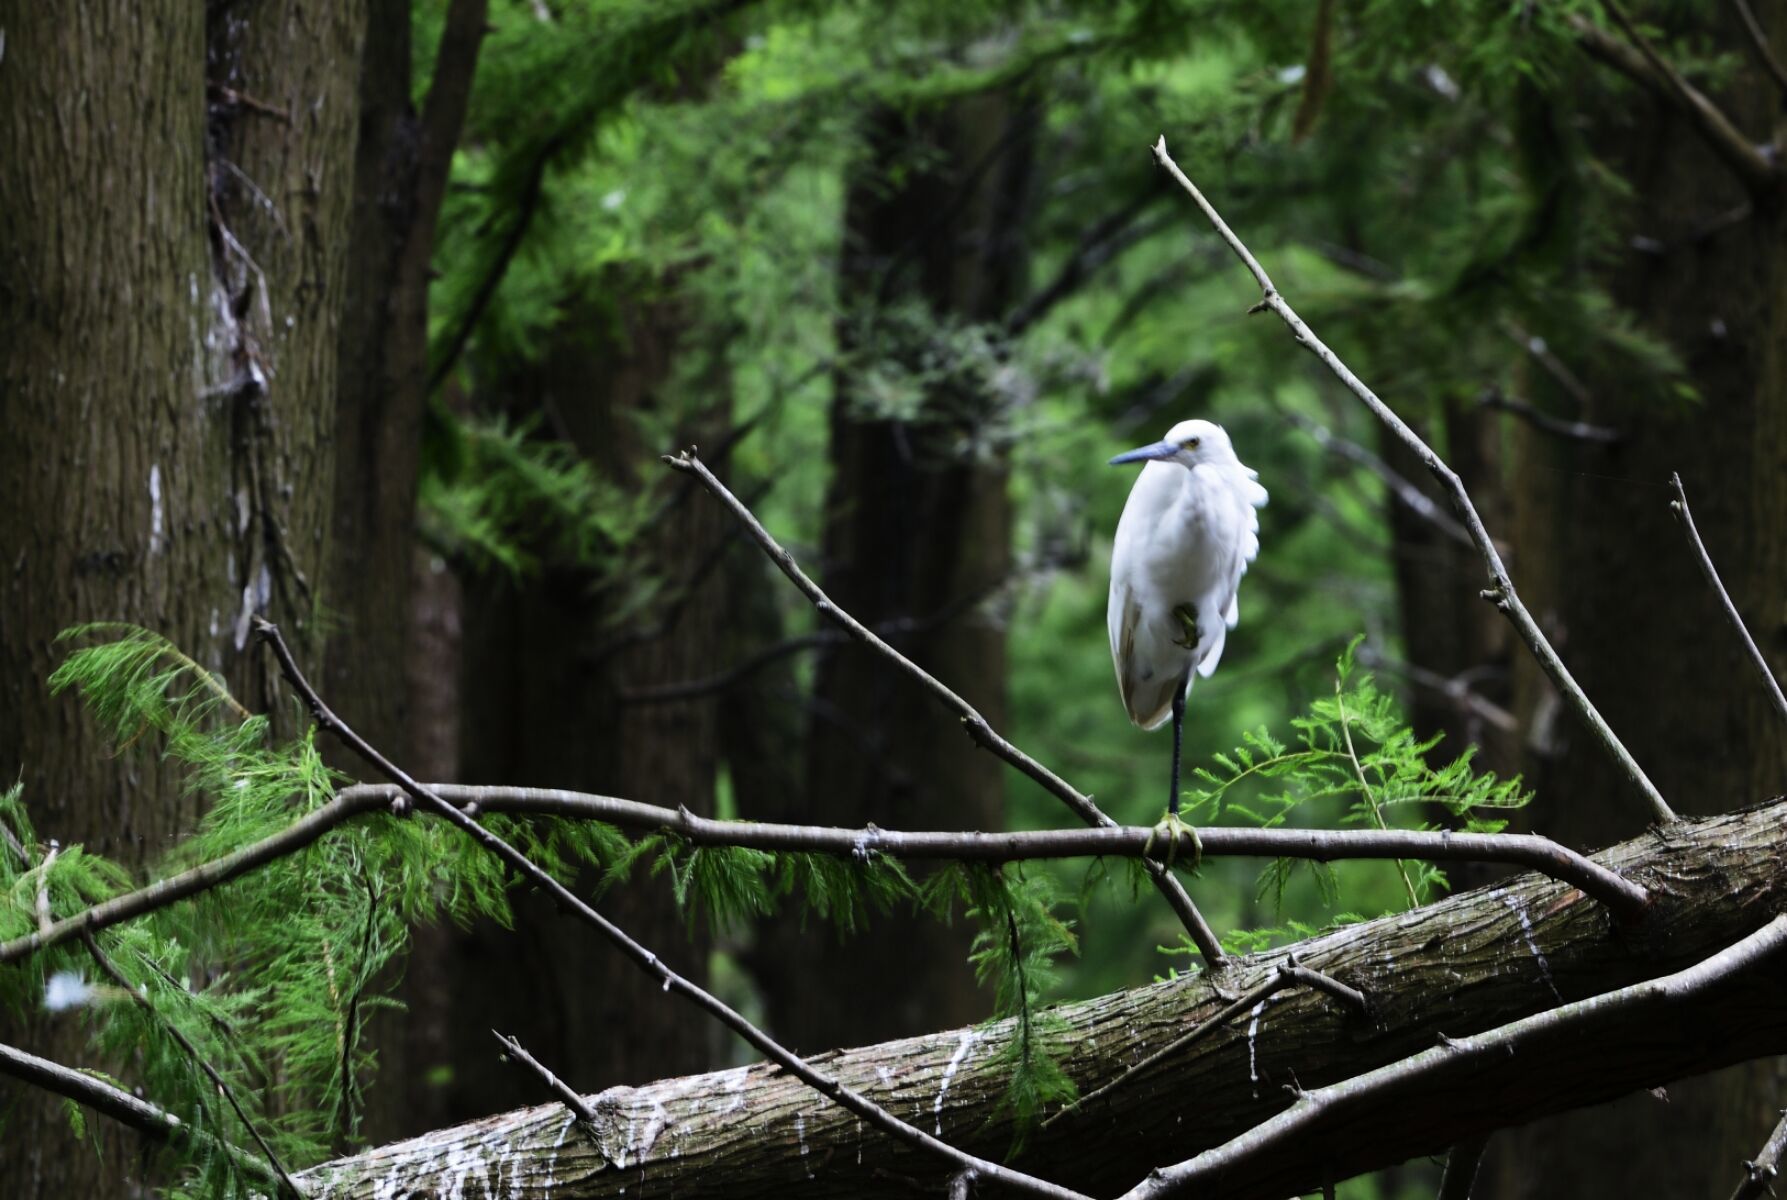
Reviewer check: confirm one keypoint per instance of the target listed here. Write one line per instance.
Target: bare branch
(1406, 493)
(976, 725)
(1759, 43)
(90, 1091)
(825, 1085)
(1640, 62)
(1502, 593)
(1455, 688)
(577, 1104)
(202, 878)
(443, 112)
(1580, 431)
(1761, 1172)
(118, 977)
(1456, 1058)
(1680, 506)
(1116, 841)
(689, 689)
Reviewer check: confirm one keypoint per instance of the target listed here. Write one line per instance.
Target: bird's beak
(1152, 453)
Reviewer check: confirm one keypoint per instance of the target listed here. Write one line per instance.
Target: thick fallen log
(1460, 967)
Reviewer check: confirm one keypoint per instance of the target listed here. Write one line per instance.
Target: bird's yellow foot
(1188, 620)
(1171, 829)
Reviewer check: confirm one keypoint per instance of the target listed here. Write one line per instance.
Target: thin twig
(1289, 974)
(1410, 496)
(1531, 851)
(1680, 507)
(1502, 593)
(1377, 814)
(1455, 688)
(825, 1085)
(199, 1060)
(1460, 1056)
(1759, 43)
(1462, 1162)
(976, 725)
(558, 1087)
(1579, 431)
(1761, 1172)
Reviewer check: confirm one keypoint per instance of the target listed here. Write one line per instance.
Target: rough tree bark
(1456, 968)
(173, 226)
(1611, 569)
(917, 529)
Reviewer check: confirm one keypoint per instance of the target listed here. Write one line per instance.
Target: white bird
(1187, 534)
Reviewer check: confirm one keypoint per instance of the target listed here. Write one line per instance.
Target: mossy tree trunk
(173, 226)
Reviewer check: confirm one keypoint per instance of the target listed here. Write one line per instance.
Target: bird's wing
(1247, 498)
(1147, 690)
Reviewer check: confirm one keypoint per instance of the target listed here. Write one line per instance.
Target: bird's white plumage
(1188, 531)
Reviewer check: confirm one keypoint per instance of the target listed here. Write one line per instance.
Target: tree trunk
(1610, 572)
(551, 656)
(1466, 965)
(918, 531)
(175, 211)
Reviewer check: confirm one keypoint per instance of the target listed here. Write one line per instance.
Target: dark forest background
(907, 275)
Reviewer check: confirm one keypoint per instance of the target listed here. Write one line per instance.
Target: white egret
(1187, 534)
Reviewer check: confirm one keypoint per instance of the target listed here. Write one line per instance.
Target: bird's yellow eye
(1191, 443)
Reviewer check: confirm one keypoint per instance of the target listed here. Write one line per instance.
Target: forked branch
(1502, 591)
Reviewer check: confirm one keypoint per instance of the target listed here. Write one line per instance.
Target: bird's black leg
(1178, 737)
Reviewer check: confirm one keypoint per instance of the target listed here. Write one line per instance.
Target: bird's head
(1189, 443)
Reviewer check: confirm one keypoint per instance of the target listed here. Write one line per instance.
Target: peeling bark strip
(1456, 968)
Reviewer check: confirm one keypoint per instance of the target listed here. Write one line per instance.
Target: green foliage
(499, 496)
(1354, 747)
(1017, 950)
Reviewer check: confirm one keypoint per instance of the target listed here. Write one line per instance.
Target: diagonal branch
(1680, 505)
(1759, 43)
(976, 725)
(1640, 62)
(449, 97)
(1458, 1059)
(92, 1092)
(1406, 493)
(1502, 593)
(1538, 418)
(558, 1087)
(826, 1085)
